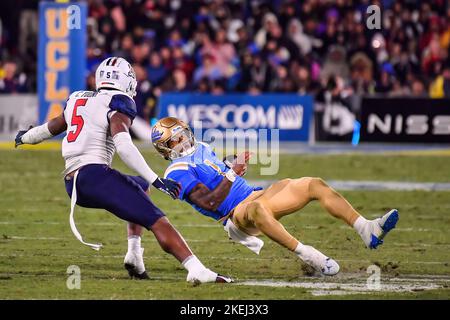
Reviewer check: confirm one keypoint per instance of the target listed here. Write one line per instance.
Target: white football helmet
(116, 73)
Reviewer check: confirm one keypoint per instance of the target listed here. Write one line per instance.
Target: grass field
(37, 245)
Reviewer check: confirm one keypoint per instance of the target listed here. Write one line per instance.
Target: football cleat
(207, 275)
(376, 230)
(223, 279)
(134, 263)
(320, 262)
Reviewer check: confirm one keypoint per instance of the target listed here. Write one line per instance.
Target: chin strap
(188, 152)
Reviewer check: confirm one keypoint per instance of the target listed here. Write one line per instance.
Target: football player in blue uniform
(216, 189)
(97, 124)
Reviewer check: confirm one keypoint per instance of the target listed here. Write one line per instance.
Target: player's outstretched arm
(119, 127)
(43, 132)
(210, 199)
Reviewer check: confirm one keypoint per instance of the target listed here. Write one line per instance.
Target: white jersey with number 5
(88, 139)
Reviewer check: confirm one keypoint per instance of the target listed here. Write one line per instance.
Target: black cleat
(133, 274)
(223, 279)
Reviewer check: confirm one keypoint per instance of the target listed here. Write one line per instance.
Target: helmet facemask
(181, 144)
(131, 90)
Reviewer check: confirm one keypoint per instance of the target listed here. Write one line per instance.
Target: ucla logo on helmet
(156, 134)
(177, 129)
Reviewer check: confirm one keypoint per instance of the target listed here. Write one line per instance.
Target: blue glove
(168, 186)
(18, 140)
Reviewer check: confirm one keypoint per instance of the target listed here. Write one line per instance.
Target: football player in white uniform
(97, 125)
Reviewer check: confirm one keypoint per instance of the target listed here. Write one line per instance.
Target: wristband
(37, 134)
(231, 175)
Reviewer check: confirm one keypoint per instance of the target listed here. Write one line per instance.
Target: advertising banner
(243, 113)
(333, 122)
(61, 55)
(405, 120)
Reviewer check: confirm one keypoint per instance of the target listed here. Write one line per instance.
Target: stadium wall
(402, 120)
(17, 112)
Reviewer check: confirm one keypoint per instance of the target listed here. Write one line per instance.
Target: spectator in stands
(259, 46)
(418, 89)
(440, 87)
(156, 71)
(208, 69)
(12, 81)
(177, 82)
(145, 99)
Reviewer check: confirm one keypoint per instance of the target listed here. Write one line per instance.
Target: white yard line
(324, 288)
(308, 281)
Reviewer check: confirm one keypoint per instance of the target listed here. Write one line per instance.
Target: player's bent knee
(258, 211)
(317, 187)
(256, 206)
(301, 185)
(303, 180)
(318, 180)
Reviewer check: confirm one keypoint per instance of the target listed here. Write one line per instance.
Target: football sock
(360, 224)
(134, 244)
(299, 249)
(304, 252)
(193, 264)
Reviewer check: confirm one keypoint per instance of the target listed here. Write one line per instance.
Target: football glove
(168, 186)
(18, 140)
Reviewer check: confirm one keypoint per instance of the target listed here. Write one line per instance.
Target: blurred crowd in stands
(250, 46)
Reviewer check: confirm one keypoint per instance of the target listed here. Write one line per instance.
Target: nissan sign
(405, 120)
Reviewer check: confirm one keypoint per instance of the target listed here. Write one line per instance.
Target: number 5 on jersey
(76, 121)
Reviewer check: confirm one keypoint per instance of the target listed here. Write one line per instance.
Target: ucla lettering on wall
(289, 113)
(61, 55)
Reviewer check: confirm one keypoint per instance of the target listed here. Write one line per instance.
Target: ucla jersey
(203, 167)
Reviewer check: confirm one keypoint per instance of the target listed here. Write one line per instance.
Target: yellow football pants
(261, 210)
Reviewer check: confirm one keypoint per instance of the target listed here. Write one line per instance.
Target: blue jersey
(203, 167)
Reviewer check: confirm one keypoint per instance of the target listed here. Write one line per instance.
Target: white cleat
(207, 275)
(375, 230)
(134, 263)
(319, 261)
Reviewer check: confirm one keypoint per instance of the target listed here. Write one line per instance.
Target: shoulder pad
(208, 147)
(176, 166)
(123, 104)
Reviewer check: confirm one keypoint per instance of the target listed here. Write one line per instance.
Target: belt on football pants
(73, 227)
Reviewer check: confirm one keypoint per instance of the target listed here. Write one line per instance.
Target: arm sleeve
(187, 179)
(37, 134)
(124, 104)
(131, 156)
